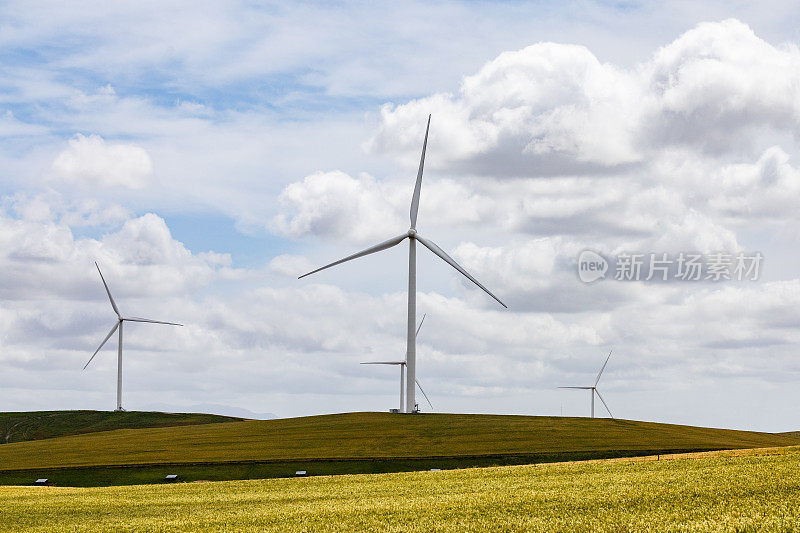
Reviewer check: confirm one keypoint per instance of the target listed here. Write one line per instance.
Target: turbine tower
(412, 237)
(594, 390)
(402, 365)
(118, 326)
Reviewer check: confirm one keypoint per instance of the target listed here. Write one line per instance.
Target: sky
(205, 154)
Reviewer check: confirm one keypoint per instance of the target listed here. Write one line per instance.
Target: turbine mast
(592, 402)
(402, 386)
(119, 369)
(411, 342)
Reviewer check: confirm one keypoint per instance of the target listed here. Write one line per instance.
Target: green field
(34, 425)
(753, 490)
(350, 443)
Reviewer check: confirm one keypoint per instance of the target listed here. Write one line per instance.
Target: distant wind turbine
(118, 326)
(402, 365)
(412, 237)
(594, 390)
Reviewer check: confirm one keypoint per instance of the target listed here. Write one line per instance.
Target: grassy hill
(354, 442)
(746, 490)
(34, 425)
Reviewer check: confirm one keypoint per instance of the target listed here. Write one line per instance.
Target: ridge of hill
(35, 425)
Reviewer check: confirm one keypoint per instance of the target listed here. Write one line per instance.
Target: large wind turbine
(402, 365)
(594, 390)
(118, 326)
(412, 237)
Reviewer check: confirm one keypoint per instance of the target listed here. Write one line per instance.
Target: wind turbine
(413, 237)
(593, 388)
(118, 326)
(402, 365)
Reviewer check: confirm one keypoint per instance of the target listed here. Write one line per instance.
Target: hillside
(371, 436)
(34, 425)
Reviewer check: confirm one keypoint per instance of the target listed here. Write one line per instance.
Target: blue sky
(207, 153)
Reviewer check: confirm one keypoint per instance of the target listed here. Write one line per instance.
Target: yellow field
(750, 490)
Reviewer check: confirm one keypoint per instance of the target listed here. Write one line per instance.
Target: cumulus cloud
(337, 205)
(41, 255)
(51, 206)
(768, 189)
(555, 108)
(530, 112)
(90, 160)
(715, 84)
(333, 203)
(613, 214)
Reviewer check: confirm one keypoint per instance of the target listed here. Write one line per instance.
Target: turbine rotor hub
(412, 233)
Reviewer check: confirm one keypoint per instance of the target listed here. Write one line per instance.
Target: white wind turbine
(413, 237)
(593, 388)
(118, 326)
(402, 365)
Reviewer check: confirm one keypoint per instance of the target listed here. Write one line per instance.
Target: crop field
(350, 443)
(745, 490)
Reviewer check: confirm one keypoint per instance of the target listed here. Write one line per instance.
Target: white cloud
(92, 161)
(715, 84)
(290, 265)
(555, 108)
(768, 189)
(333, 203)
(41, 256)
(51, 206)
(10, 126)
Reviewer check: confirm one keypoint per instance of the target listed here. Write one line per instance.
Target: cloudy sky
(207, 153)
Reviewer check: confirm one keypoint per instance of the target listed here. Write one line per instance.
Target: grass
(351, 443)
(752, 490)
(34, 425)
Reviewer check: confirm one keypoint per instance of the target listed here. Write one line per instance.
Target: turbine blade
(418, 184)
(430, 245)
(423, 393)
(102, 344)
(136, 319)
(604, 403)
(377, 248)
(420, 324)
(113, 303)
(604, 367)
(579, 388)
(383, 363)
